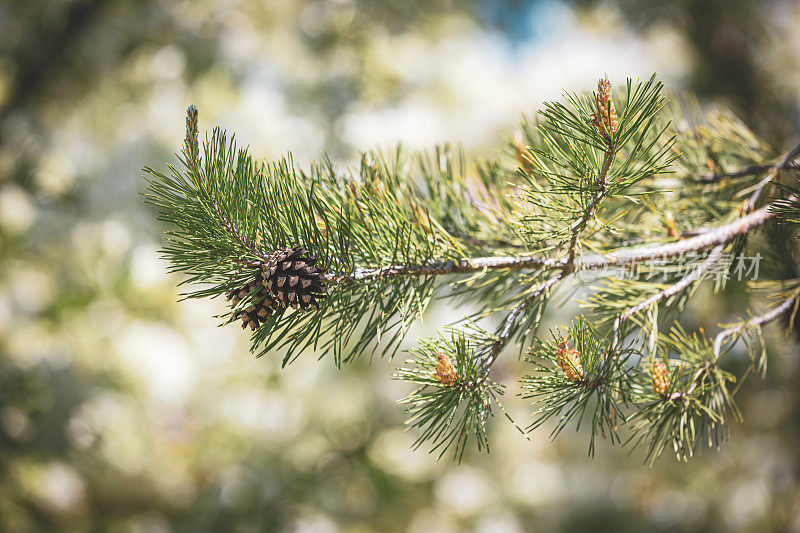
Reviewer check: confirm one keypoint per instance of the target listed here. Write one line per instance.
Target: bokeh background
(123, 410)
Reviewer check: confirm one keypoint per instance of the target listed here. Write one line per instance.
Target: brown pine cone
(292, 280)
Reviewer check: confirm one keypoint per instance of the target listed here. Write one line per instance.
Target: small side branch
(665, 293)
(766, 318)
(233, 232)
(203, 184)
(672, 290)
(602, 182)
(566, 265)
(511, 320)
(773, 171)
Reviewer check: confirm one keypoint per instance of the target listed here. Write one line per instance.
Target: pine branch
(343, 263)
(579, 383)
(453, 399)
(790, 304)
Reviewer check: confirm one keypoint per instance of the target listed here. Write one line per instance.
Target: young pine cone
(605, 120)
(260, 308)
(291, 279)
(445, 371)
(568, 360)
(660, 375)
